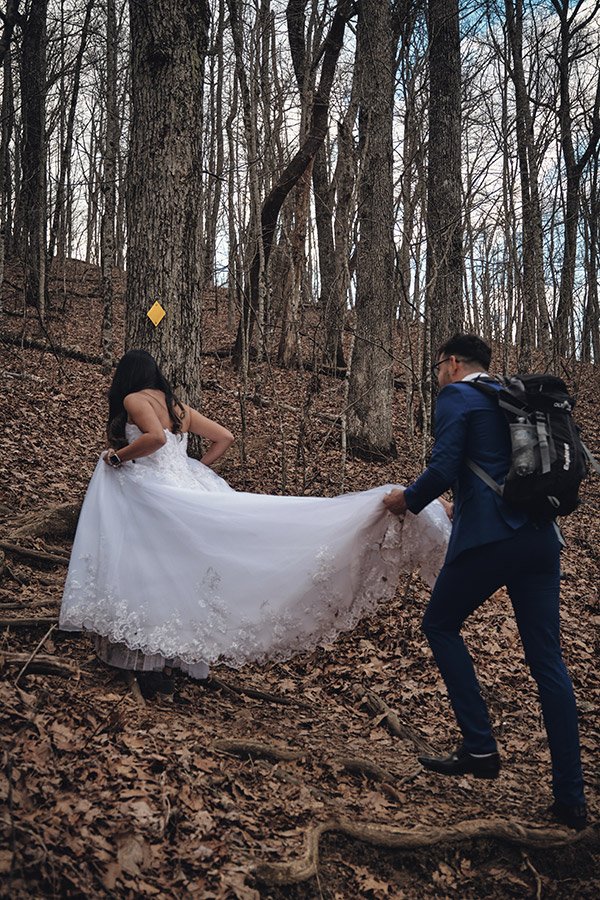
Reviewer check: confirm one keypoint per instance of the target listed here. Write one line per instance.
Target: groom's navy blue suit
(492, 545)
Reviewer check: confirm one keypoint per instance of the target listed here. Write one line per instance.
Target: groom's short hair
(468, 346)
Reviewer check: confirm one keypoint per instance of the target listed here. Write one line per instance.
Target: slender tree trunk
(574, 168)
(533, 293)
(57, 230)
(169, 41)
(371, 377)
(254, 288)
(287, 355)
(6, 184)
(109, 186)
(444, 214)
(213, 199)
(590, 340)
(344, 182)
(33, 154)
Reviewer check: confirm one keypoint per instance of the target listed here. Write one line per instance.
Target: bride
(172, 567)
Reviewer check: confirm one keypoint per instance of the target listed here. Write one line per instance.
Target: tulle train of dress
(169, 563)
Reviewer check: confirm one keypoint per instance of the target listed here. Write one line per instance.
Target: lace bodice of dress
(170, 464)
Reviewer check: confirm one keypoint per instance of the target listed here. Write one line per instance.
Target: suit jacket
(468, 425)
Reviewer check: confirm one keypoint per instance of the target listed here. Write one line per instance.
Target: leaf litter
(102, 797)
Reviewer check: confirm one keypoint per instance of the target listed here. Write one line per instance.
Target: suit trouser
(528, 564)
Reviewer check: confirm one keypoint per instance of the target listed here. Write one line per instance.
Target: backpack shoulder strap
(481, 473)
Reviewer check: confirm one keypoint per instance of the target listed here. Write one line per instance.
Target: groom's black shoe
(572, 816)
(462, 763)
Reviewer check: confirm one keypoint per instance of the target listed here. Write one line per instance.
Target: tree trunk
(371, 377)
(287, 355)
(324, 200)
(169, 42)
(590, 339)
(217, 155)
(109, 187)
(444, 215)
(33, 155)
(344, 179)
(574, 169)
(6, 184)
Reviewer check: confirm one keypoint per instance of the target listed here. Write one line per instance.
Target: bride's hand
(106, 457)
(395, 502)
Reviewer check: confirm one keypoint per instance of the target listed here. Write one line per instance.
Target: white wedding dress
(170, 564)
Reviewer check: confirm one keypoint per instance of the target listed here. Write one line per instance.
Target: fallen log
(68, 352)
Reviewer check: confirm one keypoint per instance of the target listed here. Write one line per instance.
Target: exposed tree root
(257, 750)
(410, 839)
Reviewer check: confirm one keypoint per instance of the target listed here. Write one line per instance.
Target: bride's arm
(142, 414)
(221, 439)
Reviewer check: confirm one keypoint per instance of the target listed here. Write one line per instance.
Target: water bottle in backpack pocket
(523, 437)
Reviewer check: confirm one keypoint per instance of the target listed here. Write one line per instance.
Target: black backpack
(549, 459)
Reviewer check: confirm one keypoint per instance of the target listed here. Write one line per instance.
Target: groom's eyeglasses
(436, 365)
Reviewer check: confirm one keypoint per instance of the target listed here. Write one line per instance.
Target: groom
(491, 545)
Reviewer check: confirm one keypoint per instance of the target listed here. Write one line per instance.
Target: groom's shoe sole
(461, 763)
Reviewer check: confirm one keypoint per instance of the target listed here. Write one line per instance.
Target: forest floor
(194, 795)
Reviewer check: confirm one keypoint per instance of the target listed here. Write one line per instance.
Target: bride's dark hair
(136, 370)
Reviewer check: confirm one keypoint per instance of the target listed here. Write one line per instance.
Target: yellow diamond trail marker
(156, 313)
